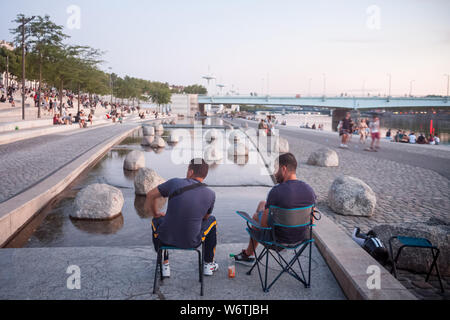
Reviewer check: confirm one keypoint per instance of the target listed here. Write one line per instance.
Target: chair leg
(155, 280)
(394, 261)
(199, 265)
(265, 275)
(309, 267)
(202, 265)
(256, 259)
(436, 267)
(160, 265)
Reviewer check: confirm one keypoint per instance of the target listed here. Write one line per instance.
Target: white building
(184, 104)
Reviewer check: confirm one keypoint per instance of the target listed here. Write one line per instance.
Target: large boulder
(134, 160)
(148, 130)
(98, 202)
(146, 180)
(174, 138)
(281, 145)
(212, 135)
(147, 141)
(419, 260)
(236, 136)
(159, 128)
(238, 149)
(158, 143)
(350, 196)
(324, 157)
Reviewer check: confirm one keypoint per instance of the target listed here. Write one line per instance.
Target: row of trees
(52, 63)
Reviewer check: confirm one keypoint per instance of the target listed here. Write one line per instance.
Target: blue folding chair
(159, 258)
(289, 229)
(411, 242)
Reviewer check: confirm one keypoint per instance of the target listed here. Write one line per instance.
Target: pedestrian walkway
(126, 273)
(25, 163)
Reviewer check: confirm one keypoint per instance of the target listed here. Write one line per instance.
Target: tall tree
(44, 34)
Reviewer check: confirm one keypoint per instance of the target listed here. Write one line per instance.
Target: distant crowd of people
(403, 137)
(366, 127)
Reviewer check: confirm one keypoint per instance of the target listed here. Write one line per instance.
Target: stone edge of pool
(347, 261)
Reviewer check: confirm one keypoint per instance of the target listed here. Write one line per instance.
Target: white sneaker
(209, 268)
(166, 270)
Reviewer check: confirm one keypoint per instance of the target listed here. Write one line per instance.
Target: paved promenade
(411, 181)
(25, 163)
(126, 273)
(412, 184)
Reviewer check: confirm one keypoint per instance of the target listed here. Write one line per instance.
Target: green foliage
(49, 60)
(195, 89)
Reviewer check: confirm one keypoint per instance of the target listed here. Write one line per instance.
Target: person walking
(375, 132)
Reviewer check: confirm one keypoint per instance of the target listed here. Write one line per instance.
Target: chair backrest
(291, 226)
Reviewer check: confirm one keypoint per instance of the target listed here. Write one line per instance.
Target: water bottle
(231, 267)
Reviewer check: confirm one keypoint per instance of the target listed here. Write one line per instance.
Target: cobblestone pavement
(25, 163)
(407, 188)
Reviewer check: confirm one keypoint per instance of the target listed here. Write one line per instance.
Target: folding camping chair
(420, 243)
(289, 229)
(200, 252)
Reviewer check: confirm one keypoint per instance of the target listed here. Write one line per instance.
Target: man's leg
(262, 219)
(156, 242)
(209, 234)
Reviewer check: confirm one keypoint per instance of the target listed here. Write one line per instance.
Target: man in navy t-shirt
(188, 219)
(289, 193)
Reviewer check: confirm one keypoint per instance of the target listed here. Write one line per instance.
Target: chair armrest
(251, 221)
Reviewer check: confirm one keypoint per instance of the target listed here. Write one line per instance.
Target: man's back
(182, 224)
(291, 194)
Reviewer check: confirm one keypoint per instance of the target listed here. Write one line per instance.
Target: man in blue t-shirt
(289, 193)
(188, 220)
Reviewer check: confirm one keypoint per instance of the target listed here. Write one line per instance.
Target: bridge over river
(328, 102)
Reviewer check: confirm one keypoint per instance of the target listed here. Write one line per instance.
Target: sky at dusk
(279, 47)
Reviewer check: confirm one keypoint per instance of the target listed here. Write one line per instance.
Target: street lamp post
(324, 85)
(24, 22)
(410, 87)
(390, 86)
(7, 72)
(448, 85)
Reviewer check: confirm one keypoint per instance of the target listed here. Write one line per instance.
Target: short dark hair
(199, 167)
(288, 160)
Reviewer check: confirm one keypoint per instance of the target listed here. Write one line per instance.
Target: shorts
(376, 136)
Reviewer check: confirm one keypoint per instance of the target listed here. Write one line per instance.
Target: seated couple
(189, 218)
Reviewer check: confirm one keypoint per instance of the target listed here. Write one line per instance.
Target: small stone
(148, 131)
(324, 157)
(134, 160)
(158, 143)
(147, 140)
(159, 128)
(211, 135)
(281, 145)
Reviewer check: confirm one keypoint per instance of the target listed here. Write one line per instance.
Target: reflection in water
(239, 160)
(139, 205)
(130, 175)
(55, 230)
(99, 227)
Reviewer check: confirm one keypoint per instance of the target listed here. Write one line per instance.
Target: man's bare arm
(151, 205)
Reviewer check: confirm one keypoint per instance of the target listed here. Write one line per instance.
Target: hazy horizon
(264, 46)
